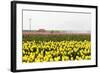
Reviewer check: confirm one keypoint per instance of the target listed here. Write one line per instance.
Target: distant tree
(41, 30)
(52, 31)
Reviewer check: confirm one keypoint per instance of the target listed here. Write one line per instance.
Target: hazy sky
(56, 21)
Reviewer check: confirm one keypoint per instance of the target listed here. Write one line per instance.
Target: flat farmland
(55, 46)
(55, 36)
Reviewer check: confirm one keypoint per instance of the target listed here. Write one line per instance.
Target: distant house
(41, 30)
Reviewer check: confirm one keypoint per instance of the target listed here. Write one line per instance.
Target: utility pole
(30, 24)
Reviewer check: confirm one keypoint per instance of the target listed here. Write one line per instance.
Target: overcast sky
(56, 21)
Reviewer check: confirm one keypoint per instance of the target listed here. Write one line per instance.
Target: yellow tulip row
(49, 51)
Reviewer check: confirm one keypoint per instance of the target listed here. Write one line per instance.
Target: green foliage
(68, 37)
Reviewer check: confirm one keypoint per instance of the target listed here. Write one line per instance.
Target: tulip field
(53, 48)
